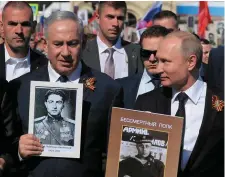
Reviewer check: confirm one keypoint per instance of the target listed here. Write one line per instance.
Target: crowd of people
(169, 72)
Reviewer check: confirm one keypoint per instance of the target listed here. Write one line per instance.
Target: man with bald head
(184, 94)
(16, 57)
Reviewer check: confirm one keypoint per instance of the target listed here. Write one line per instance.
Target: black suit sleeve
(139, 102)
(8, 138)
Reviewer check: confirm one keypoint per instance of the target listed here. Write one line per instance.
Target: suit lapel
(92, 56)
(163, 103)
(207, 123)
(41, 74)
(134, 90)
(132, 55)
(85, 74)
(2, 62)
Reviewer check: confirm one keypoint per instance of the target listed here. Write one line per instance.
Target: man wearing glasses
(148, 80)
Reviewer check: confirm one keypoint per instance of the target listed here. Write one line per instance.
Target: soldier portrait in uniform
(141, 161)
(53, 128)
(55, 117)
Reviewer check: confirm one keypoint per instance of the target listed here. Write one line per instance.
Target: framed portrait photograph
(143, 144)
(55, 116)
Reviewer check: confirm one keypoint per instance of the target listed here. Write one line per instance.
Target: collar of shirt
(9, 59)
(102, 46)
(73, 77)
(146, 77)
(194, 92)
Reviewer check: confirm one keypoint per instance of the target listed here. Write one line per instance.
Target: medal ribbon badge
(89, 83)
(217, 103)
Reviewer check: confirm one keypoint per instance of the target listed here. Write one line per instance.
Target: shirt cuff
(20, 158)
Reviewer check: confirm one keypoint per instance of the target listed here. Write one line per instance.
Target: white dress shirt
(145, 85)
(194, 111)
(119, 56)
(16, 67)
(73, 77)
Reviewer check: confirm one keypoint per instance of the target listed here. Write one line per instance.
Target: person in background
(206, 48)
(166, 18)
(109, 53)
(215, 70)
(16, 57)
(138, 84)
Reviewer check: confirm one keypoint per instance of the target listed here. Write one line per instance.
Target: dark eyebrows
(24, 23)
(121, 17)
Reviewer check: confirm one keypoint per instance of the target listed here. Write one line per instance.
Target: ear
(97, 16)
(1, 29)
(46, 104)
(192, 62)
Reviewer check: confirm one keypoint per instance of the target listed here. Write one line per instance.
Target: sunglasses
(145, 54)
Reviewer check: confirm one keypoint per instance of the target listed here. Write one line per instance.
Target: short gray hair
(190, 45)
(63, 15)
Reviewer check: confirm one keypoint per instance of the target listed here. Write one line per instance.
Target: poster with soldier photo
(142, 152)
(143, 144)
(55, 117)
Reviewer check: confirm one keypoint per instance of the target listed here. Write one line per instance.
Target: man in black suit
(184, 94)
(7, 130)
(109, 53)
(215, 73)
(64, 37)
(206, 47)
(148, 80)
(16, 58)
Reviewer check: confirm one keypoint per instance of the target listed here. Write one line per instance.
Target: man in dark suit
(109, 53)
(7, 130)
(64, 37)
(148, 80)
(215, 73)
(184, 94)
(16, 57)
(206, 47)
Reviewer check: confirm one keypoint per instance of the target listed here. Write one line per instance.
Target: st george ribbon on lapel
(63, 78)
(182, 98)
(109, 64)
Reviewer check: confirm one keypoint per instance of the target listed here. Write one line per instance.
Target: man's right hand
(29, 145)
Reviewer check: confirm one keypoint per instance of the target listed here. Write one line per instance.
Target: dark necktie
(109, 64)
(156, 82)
(63, 78)
(182, 98)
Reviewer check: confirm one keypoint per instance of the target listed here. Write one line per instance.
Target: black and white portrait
(55, 117)
(142, 152)
(54, 121)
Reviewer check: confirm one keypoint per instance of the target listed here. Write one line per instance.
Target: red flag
(94, 16)
(204, 18)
